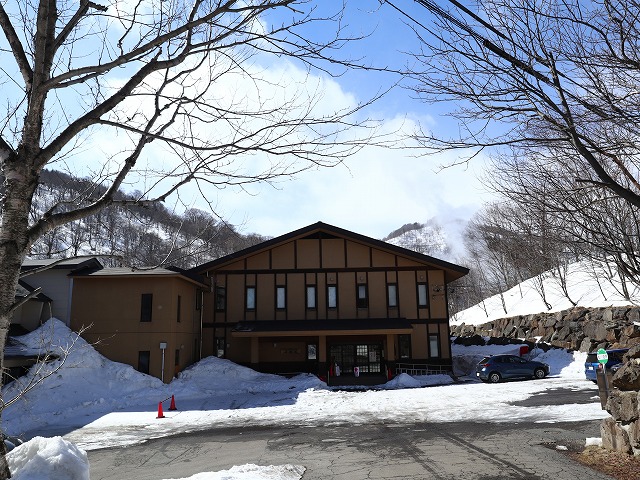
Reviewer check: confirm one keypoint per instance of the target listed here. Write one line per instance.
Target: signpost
(603, 358)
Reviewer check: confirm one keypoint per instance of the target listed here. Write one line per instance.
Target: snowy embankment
(587, 286)
(96, 403)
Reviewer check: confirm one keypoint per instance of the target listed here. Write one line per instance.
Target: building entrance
(367, 357)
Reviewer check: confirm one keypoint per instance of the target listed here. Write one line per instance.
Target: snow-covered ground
(91, 402)
(587, 286)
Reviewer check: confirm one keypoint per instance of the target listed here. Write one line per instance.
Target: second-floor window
(221, 298)
(422, 295)
(251, 298)
(146, 307)
(392, 295)
(281, 298)
(179, 309)
(361, 299)
(311, 296)
(332, 296)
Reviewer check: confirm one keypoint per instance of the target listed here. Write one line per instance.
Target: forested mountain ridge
(135, 235)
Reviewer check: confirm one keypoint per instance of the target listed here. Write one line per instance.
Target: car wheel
(494, 377)
(539, 373)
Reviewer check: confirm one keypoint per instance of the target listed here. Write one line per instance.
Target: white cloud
(374, 193)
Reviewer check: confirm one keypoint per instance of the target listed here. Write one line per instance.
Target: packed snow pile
(253, 472)
(76, 387)
(407, 381)
(48, 458)
(586, 286)
(211, 375)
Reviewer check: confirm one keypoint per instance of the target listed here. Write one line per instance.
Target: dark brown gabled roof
(324, 230)
(72, 264)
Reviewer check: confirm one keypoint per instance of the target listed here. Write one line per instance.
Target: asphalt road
(439, 451)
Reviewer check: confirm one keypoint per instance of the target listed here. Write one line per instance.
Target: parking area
(462, 450)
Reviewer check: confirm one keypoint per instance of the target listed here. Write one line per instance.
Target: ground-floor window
(367, 357)
(404, 346)
(143, 361)
(434, 346)
(312, 351)
(220, 347)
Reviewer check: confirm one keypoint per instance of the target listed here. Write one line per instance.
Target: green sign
(602, 355)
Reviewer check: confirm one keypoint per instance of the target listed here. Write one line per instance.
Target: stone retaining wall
(579, 328)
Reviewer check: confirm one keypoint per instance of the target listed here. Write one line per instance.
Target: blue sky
(373, 192)
(378, 190)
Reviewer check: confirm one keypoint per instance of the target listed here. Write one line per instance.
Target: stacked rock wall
(621, 431)
(579, 328)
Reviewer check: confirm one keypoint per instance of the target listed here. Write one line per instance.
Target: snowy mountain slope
(585, 286)
(440, 238)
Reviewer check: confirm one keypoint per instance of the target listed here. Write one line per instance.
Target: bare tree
(537, 76)
(183, 92)
(585, 221)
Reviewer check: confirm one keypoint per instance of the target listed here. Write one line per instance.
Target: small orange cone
(160, 414)
(173, 403)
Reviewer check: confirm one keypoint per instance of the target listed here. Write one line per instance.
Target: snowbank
(48, 458)
(79, 386)
(253, 472)
(586, 287)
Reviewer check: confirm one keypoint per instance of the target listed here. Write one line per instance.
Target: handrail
(421, 369)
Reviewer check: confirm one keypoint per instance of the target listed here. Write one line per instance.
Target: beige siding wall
(57, 286)
(333, 253)
(437, 290)
(115, 327)
(308, 254)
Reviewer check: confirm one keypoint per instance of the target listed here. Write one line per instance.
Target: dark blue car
(591, 365)
(501, 367)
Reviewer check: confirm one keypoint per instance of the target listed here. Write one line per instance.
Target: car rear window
(485, 360)
(616, 356)
(592, 358)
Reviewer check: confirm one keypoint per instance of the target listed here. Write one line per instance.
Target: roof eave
(456, 271)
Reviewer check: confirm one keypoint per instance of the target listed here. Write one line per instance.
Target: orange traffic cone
(160, 414)
(173, 403)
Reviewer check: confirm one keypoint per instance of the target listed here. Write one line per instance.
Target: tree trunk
(14, 244)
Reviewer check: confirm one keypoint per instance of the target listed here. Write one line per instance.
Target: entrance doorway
(367, 357)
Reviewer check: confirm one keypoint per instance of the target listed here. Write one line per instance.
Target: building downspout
(446, 303)
(201, 293)
(67, 321)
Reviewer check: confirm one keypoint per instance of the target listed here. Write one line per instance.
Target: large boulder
(614, 437)
(585, 345)
(594, 329)
(634, 352)
(627, 377)
(623, 406)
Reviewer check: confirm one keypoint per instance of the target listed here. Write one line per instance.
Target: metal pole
(606, 382)
(162, 371)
